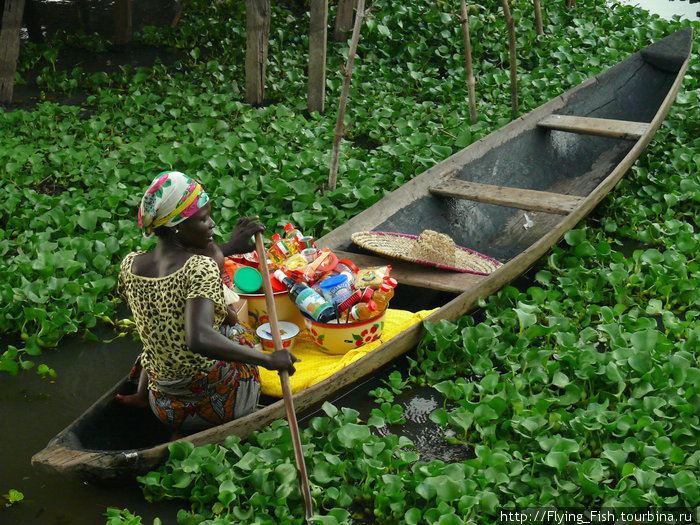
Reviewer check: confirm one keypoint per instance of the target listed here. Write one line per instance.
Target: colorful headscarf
(171, 198)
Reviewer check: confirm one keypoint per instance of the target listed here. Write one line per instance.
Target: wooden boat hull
(511, 196)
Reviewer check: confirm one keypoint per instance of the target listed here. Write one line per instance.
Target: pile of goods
(326, 290)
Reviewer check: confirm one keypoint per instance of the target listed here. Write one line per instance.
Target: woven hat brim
(398, 246)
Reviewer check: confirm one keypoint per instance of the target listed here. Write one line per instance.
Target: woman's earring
(177, 230)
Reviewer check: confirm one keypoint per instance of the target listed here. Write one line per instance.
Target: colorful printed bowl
(338, 339)
(285, 307)
(241, 308)
(288, 331)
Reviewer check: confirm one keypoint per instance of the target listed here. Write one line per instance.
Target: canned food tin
(310, 254)
(306, 242)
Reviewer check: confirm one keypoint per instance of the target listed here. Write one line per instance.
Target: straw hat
(430, 248)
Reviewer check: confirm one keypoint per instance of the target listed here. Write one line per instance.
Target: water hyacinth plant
(578, 389)
(62, 235)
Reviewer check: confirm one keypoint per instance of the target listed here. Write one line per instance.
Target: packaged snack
(231, 265)
(251, 259)
(324, 263)
(372, 276)
(295, 263)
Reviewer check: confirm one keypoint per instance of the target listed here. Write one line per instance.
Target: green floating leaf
(352, 434)
(641, 362)
(558, 460)
(575, 237)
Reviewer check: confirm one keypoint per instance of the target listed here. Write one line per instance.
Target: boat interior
(503, 200)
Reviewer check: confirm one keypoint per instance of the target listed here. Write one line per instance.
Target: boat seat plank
(417, 275)
(532, 200)
(603, 127)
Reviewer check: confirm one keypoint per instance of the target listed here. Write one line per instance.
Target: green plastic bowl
(247, 279)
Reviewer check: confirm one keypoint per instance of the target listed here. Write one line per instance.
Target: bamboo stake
(513, 67)
(340, 128)
(538, 18)
(284, 380)
(471, 81)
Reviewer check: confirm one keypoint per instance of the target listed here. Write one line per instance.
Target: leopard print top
(158, 305)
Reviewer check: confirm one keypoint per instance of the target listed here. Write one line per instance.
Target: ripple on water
(428, 437)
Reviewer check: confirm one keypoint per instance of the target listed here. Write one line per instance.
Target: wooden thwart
(531, 200)
(602, 127)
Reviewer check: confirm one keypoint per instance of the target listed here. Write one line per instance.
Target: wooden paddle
(284, 379)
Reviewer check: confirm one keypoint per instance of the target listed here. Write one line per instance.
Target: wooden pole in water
(318, 41)
(257, 14)
(9, 47)
(284, 380)
(471, 81)
(340, 128)
(538, 17)
(343, 19)
(123, 22)
(513, 68)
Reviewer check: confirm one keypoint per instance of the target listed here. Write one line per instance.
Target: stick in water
(284, 379)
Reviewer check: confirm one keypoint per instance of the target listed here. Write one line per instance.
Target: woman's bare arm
(203, 339)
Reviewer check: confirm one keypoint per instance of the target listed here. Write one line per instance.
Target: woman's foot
(134, 400)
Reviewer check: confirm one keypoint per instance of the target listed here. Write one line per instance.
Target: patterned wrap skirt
(224, 392)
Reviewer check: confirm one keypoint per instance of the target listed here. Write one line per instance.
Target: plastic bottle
(291, 237)
(384, 294)
(278, 252)
(362, 311)
(308, 300)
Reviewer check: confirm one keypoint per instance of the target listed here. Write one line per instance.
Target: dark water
(33, 410)
(96, 16)
(417, 404)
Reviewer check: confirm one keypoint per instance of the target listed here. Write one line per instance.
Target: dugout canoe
(510, 196)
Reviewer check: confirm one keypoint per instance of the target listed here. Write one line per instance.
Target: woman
(197, 377)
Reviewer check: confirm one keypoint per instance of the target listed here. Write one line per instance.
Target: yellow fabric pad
(316, 365)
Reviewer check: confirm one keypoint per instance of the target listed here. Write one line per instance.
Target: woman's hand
(282, 360)
(231, 316)
(240, 239)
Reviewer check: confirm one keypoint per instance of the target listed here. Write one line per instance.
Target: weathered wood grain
(602, 127)
(512, 197)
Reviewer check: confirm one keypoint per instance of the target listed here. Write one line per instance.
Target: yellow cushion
(316, 365)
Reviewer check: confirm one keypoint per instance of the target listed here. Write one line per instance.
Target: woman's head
(171, 198)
